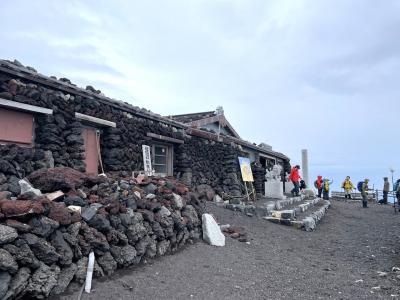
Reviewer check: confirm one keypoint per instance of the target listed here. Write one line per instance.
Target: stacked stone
(45, 239)
(58, 138)
(259, 178)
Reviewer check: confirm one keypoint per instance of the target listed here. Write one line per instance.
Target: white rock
(178, 201)
(75, 208)
(218, 199)
(26, 187)
(54, 195)
(137, 194)
(150, 196)
(309, 193)
(211, 232)
(164, 211)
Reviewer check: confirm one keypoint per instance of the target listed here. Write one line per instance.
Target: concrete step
(292, 210)
(306, 216)
(267, 207)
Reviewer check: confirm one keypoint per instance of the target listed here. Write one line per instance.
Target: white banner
(148, 170)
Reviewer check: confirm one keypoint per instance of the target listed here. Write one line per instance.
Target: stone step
(308, 222)
(267, 207)
(292, 210)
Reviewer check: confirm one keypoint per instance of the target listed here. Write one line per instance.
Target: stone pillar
(304, 167)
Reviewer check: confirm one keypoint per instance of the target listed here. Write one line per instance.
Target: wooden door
(91, 151)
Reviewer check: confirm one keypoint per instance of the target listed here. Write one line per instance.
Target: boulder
(19, 226)
(100, 222)
(107, 263)
(190, 212)
(42, 249)
(43, 226)
(211, 231)
(164, 212)
(74, 200)
(89, 212)
(64, 279)
(5, 279)
(20, 208)
(162, 247)
(309, 193)
(62, 248)
(59, 213)
(177, 201)
(7, 262)
(7, 234)
(43, 280)
(23, 254)
(206, 191)
(26, 188)
(17, 284)
(124, 256)
(60, 178)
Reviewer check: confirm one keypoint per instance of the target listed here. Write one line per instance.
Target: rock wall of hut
(58, 141)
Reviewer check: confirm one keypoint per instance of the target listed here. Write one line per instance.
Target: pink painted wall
(91, 154)
(16, 126)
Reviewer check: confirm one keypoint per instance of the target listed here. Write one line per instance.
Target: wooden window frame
(169, 158)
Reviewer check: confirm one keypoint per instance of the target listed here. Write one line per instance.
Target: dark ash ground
(340, 260)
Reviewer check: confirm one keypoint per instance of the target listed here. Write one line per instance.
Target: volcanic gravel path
(340, 260)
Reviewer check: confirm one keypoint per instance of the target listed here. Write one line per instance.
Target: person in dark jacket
(364, 193)
(386, 189)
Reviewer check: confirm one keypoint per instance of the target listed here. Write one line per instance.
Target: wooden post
(247, 191)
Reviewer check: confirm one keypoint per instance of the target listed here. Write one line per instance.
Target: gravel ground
(340, 260)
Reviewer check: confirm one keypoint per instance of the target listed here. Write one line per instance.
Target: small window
(162, 159)
(16, 127)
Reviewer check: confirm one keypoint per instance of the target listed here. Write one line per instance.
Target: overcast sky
(321, 75)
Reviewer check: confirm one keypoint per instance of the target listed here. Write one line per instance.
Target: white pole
(89, 274)
(304, 161)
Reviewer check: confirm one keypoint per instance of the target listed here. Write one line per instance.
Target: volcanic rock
(7, 234)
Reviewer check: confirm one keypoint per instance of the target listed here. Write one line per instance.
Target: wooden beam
(25, 107)
(95, 120)
(164, 138)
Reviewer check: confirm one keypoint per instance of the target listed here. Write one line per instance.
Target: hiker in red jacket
(295, 178)
(318, 185)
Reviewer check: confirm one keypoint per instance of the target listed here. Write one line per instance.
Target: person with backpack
(294, 177)
(348, 186)
(318, 185)
(325, 188)
(363, 188)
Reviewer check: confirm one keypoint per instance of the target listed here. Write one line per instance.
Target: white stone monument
(273, 185)
(304, 162)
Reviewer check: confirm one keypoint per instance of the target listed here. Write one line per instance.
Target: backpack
(396, 185)
(360, 185)
(326, 186)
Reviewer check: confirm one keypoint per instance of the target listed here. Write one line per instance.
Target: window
(162, 159)
(16, 127)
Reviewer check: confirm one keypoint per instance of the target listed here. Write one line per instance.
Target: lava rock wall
(58, 141)
(45, 240)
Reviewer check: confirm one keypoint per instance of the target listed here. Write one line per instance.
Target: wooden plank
(164, 138)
